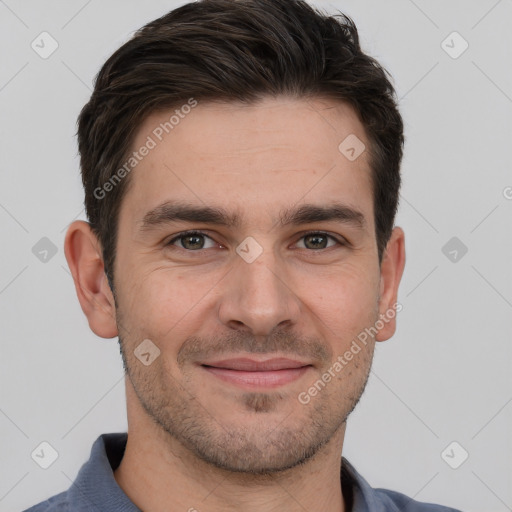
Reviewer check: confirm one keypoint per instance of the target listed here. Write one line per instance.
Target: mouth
(250, 373)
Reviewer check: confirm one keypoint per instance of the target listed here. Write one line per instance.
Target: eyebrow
(309, 213)
(169, 212)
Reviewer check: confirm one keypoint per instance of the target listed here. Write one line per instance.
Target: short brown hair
(234, 50)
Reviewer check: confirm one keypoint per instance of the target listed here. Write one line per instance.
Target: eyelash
(201, 233)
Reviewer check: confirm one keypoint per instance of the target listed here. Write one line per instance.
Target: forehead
(259, 157)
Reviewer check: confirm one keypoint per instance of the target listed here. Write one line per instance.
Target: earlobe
(84, 258)
(392, 267)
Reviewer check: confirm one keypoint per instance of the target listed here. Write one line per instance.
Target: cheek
(346, 301)
(161, 303)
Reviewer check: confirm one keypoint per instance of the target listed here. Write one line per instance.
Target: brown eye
(192, 241)
(318, 241)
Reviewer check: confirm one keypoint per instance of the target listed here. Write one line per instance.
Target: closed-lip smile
(251, 373)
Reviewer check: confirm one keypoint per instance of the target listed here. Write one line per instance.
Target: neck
(159, 474)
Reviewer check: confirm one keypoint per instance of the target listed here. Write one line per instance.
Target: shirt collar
(95, 488)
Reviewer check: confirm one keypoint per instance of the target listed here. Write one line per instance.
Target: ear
(391, 270)
(85, 261)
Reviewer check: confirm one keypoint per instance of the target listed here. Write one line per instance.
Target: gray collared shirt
(95, 488)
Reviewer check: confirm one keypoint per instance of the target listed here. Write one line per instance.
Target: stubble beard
(263, 449)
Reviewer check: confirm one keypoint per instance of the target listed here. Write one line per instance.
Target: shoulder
(57, 503)
(398, 502)
(94, 483)
(362, 497)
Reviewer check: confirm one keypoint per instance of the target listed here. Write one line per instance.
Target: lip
(252, 365)
(249, 373)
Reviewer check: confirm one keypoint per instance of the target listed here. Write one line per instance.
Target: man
(240, 161)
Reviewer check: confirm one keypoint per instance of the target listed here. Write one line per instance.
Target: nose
(258, 297)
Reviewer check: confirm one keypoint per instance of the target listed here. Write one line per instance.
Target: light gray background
(445, 376)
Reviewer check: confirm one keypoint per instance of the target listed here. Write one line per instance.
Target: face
(279, 276)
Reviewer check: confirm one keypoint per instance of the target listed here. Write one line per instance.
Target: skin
(195, 441)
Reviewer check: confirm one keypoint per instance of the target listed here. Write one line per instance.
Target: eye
(197, 240)
(192, 240)
(318, 240)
